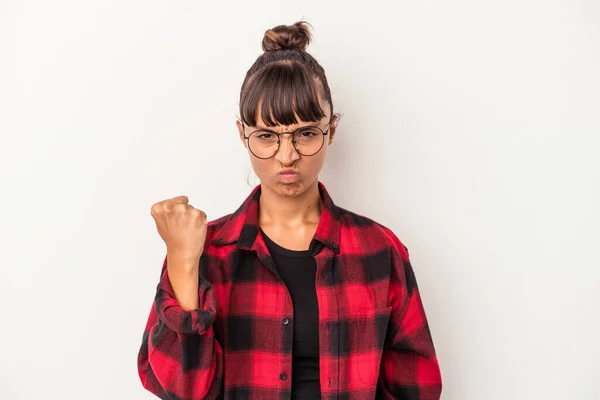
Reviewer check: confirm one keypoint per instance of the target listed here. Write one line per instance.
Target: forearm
(180, 356)
(183, 366)
(183, 276)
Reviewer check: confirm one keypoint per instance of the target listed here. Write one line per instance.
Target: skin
(289, 212)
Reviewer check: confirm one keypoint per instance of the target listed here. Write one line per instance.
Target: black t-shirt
(298, 270)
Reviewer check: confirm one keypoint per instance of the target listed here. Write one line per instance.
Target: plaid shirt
(374, 340)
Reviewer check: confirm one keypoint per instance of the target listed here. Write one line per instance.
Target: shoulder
(214, 226)
(367, 230)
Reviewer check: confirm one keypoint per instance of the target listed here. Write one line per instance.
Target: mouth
(288, 176)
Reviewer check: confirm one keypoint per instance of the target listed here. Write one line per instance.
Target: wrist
(183, 260)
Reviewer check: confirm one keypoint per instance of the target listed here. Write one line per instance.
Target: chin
(292, 189)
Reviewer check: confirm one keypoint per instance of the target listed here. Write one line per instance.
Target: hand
(182, 228)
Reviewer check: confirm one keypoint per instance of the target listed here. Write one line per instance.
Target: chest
(247, 284)
(255, 317)
(292, 239)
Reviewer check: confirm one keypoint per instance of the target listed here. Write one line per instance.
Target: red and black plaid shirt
(374, 340)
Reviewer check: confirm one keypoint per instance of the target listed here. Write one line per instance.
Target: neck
(283, 211)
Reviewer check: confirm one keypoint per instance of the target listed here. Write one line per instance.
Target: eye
(264, 136)
(309, 133)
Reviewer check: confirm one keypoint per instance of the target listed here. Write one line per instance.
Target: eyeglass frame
(325, 133)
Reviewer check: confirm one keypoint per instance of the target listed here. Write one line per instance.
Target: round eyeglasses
(307, 140)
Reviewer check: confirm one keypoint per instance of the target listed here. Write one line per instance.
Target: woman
(291, 296)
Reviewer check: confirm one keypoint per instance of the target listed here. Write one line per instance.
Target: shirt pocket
(371, 328)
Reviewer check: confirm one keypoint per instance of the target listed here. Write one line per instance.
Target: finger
(179, 200)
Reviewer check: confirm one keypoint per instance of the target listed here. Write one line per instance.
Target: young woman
(290, 296)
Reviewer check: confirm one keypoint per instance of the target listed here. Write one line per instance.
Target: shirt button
(283, 376)
(285, 321)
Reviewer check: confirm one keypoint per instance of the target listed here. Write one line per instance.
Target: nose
(287, 153)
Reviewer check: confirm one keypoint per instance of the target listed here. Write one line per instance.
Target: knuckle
(179, 208)
(197, 213)
(180, 199)
(155, 209)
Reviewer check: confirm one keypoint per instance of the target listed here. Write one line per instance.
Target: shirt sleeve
(409, 368)
(180, 357)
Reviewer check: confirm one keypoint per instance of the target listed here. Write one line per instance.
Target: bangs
(285, 91)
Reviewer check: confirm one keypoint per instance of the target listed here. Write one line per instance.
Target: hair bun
(287, 37)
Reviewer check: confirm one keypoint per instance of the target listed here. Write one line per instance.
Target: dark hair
(285, 80)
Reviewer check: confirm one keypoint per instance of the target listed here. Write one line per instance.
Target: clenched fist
(182, 227)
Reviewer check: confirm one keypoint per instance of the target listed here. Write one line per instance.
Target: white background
(471, 128)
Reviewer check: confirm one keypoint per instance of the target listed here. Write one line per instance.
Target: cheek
(260, 166)
(315, 163)
(254, 161)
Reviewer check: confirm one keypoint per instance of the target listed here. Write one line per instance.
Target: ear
(333, 127)
(241, 132)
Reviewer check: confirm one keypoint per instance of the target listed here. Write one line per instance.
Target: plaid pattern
(374, 340)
